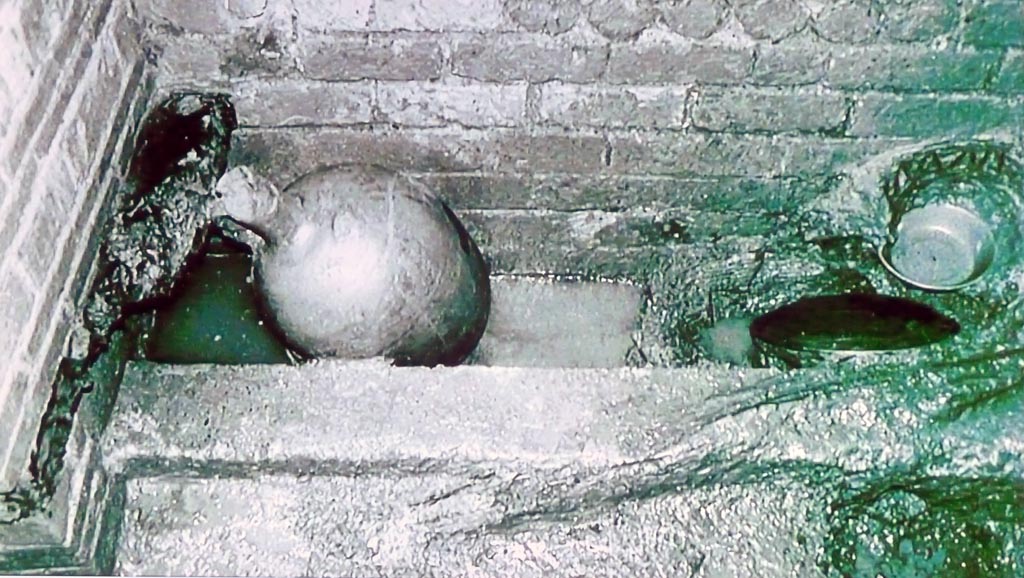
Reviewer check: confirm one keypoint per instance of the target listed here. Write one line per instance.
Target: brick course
(656, 59)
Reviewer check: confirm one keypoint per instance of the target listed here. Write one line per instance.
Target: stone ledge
(465, 523)
(368, 411)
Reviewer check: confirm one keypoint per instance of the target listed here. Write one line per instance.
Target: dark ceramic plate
(853, 322)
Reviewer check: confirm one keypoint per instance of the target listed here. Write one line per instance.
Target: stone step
(333, 412)
(359, 468)
(443, 524)
(542, 322)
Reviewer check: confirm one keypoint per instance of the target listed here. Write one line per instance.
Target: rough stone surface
(18, 294)
(566, 192)
(426, 105)
(618, 107)
(364, 467)
(621, 19)
(742, 110)
(535, 58)
(927, 116)
(1011, 76)
(994, 23)
(699, 154)
(287, 102)
(919, 20)
(771, 19)
(284, 155)
(911, 68)
(317, 16)
(849, 21)
(549, 16)
(181, 60)
(545, 323)
(655, 59)
(12, 403)
(600, 243)
(437, 15)
(192, 15)
(800, 60)
(371, 56)
(436, 524)
(256, 413)
(258, 52)
(693, 18)
(42, 24)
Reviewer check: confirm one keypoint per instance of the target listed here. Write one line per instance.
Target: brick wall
(663, 142)
(70, 73)
(543, 108)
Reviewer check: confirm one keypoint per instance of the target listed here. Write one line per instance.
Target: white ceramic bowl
(939, 247)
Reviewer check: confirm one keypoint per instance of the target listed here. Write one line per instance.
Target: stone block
(48, 85)
(8, 101)
(780, 111)
(722, 155)
(13, 460)
(1011, 76)
(372, 56)
(771, 19)
(657, 59)
(14, 204)
(439, 15)
(203, 17)
(621, 19)
(45, 226)
(599, 243)
(102, 91)
(913, 68)
(547, 16)
(17, 299)
(576, 106)
(188, 15)
(590, 192)
(181, 61)
(74, 149)
(283, 155)
(529, 57)
(919, 20)
(531, 319)
(427, 105)
(283, 102)
(849, 21)
(994, 23)
(925, 116)
(693, 18)
(337, 15)
(257, 52)
(43, 23)
(800, 60)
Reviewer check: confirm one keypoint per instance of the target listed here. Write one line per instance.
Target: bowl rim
(974, 277)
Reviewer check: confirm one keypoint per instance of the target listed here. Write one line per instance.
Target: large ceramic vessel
(363, 263)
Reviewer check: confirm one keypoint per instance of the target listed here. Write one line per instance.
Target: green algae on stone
(929, 526)
(214, 317)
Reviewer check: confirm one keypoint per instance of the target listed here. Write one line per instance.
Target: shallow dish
(940, 248)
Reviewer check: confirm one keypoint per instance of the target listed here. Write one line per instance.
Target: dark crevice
(180, 153)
